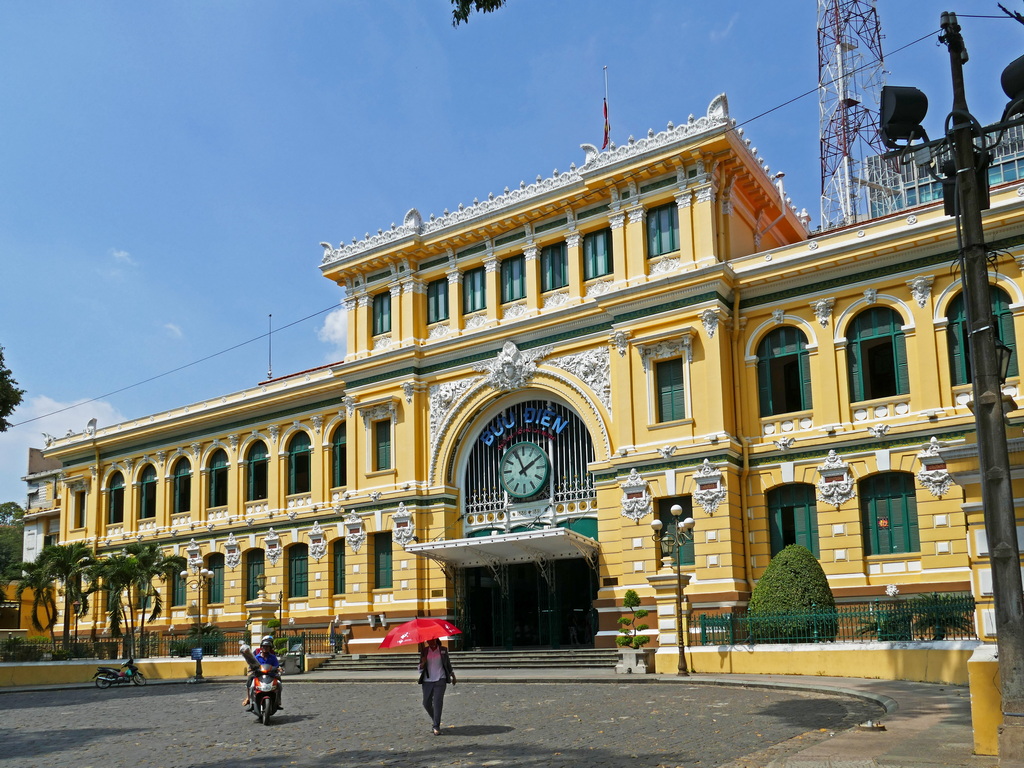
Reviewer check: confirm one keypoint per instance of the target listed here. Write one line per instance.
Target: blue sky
(167, 169)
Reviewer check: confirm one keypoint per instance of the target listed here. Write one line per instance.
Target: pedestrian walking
(435, 674)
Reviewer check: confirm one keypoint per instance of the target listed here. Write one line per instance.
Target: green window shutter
(956, 326)
(382, 561)
(902, 369)
(382, 436)
(298, 571)
(775, 539)
(1003, 319)
(856, 380)
(177, 590)
(253, 568)
(215, 591)
(804, 363)
(764, 385)
(670, 397)
(339, 567)
(339, 457)
(811, 512)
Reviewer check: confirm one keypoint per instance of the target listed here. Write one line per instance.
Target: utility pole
(993, 455)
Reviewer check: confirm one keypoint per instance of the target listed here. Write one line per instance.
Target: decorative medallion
(636, 497)
(823, 310)
(193, 556)
(709, 319)
(921, 288)
(593, 368)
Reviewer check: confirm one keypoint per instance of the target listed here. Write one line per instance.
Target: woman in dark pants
(435, 674)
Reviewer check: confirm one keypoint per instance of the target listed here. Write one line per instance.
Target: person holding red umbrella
(435, 674)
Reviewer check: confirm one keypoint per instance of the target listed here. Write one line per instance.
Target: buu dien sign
(510, 424)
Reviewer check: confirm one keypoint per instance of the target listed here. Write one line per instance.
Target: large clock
(524, 470)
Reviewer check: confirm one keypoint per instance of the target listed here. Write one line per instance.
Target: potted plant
(633, 656)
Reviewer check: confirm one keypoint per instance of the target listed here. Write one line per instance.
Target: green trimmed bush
(629, 631)
(792, 602)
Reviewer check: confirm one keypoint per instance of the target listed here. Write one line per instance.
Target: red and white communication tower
(850, 80)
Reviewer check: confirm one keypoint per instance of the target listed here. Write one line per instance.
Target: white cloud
(334, 331)
(718, 35)
(15, 442)
(123, 257)
(173, 330)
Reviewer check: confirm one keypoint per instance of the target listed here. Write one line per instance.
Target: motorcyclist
(264, 655)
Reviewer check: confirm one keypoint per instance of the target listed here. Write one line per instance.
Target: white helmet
(268, 640)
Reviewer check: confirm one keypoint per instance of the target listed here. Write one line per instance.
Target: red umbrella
(419, 630)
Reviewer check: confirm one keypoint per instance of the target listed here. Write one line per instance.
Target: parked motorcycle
(126, 673)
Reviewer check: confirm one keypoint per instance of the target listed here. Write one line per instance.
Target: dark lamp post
(76, 606)
(966, 196)
(671, 543)
(201, 577)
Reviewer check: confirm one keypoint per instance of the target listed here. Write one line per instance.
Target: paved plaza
(341, 724)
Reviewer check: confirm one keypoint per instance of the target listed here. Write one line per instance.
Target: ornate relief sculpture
(710, 490)
(933, 474)
(317, 541)
(636, 496)
(193, 556)
(823, 310)
(272, 547)
(709, 319)
(354, 533)
(593, 368)
(512, 369)
(403, 529)
(835, 485)
(232, 552)
(921, 288)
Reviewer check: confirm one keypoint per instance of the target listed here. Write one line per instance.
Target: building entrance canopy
(505, 549)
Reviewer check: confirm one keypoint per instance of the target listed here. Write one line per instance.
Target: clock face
(524, 470)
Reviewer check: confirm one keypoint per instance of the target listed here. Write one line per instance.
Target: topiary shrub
(629, 631)
(792, 602)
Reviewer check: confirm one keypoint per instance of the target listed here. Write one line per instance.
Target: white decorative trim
(232, 552)
(665, 349)
(272, 547)
(823, 310)
(666, 265)
(557, 299)
(620, 340)
(512, 369)
(317, 541)
(512, 311)
(709, 319)
(636, 497)
(355, 535)
(413, 226)
(438, 331)
(599, 288)
(921, 288)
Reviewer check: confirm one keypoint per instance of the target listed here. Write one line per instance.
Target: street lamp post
(76, 606)
(198, 581)
(966, 193)
(671, 543)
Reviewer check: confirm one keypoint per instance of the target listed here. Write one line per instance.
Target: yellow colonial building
(532, 379)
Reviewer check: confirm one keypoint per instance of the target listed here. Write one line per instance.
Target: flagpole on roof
(607, 127)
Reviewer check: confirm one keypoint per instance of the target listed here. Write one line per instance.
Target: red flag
(607, 128)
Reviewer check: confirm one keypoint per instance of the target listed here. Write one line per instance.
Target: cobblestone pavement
(340, 725)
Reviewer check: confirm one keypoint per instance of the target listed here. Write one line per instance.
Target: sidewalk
(926, 725)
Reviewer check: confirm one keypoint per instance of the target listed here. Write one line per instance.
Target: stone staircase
(540, 658)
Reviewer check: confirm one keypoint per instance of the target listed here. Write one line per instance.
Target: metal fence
(159, 645)
(924, 618)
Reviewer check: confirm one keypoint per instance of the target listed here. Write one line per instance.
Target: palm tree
(153, 564)
(36, 577)
(68, 563)
(127, 579)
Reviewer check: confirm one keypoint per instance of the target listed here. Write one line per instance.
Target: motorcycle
(264, 687)
(264, 692)
(126, 673)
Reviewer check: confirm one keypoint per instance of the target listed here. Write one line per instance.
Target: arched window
(253, 569)
(339, 457)
(338, 563)
(218, 496)
(783, 372)
(877, 354)
(256, 461)
(299, 463)
(147, 493)
(793, 517)
(115, 498)
(298, 570)
(959, 351)
(888, 509)
(215, 586)
(182, 491)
